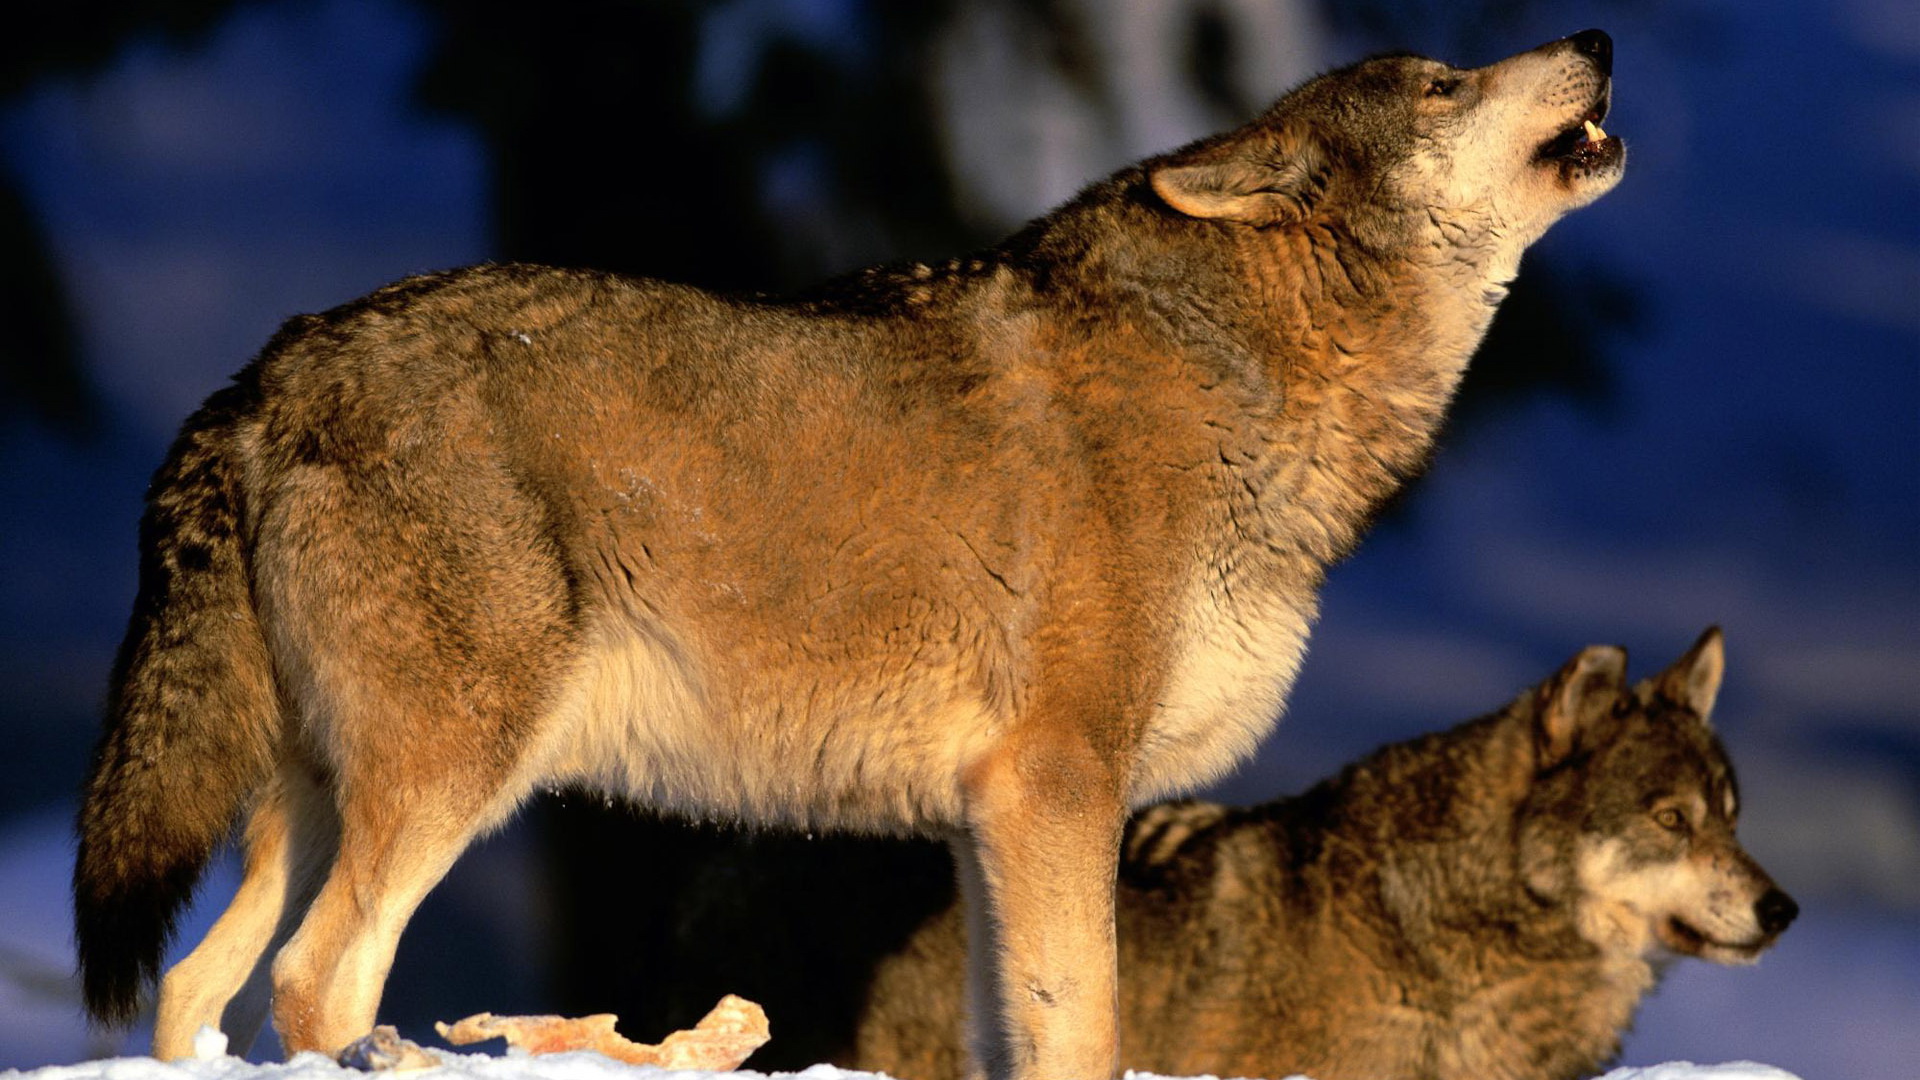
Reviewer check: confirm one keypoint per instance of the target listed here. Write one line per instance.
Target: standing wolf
(1489, 902)
(994, 550)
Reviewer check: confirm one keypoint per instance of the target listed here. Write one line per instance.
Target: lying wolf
(1486, 903)
(996, 550)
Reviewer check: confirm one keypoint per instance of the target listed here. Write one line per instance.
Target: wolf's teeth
(1594, 134)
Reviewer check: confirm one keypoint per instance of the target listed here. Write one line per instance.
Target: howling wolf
(997, 549)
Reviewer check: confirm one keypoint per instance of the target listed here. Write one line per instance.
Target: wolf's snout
(1597, 44)
(1776, 911)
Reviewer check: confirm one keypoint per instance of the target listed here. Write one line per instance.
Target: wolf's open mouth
(1585, 144)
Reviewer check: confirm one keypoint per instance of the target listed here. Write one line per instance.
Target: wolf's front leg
(1036, 866)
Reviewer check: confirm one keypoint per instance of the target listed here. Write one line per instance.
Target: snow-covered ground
(212, 1064)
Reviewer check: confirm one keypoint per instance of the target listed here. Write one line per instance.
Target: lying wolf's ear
(1578, 695)
(1694, 679)
(1273, 177)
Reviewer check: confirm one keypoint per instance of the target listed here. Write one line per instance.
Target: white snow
(212, 1063)
(1688, 1071)
(572, 1066)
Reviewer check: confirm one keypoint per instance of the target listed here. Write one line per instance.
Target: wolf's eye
(1670, 819)
(1442, 87)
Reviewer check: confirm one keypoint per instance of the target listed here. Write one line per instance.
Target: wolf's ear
(1579, 694)
(1273, 177)
(1694, 679)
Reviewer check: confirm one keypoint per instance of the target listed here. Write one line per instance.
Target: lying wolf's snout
(1597, 44)
(1776, 911)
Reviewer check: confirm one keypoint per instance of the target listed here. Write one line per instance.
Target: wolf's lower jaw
(1683, 938)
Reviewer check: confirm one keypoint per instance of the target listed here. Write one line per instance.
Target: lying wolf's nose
(1775, 910)
(1597, 44)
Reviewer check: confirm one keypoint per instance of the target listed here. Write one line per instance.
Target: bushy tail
(191, 723)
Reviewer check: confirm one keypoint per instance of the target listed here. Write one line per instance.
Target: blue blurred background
(1701, 405)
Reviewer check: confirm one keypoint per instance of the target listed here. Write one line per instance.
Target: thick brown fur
(1490, 902)
(995, 550)
(196, 645)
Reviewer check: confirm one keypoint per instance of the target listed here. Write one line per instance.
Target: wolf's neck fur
(1362, 355)
(1323, 364)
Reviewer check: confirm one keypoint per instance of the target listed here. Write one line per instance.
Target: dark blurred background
(1700, 404)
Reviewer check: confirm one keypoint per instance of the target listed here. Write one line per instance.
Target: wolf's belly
(644, 719)
(883, 747)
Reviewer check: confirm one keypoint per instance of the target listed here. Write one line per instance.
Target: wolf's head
(1632, 813)
(1474, 163)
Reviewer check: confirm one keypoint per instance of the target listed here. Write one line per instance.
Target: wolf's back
(192, 715)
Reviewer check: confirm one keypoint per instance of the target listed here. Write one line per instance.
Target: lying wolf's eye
(1442, 87)
(1671, 819)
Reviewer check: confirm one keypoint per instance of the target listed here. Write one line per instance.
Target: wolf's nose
(1776, 910)
(1597, 44)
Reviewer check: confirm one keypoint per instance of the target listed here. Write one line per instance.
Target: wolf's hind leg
(426, 622)
(395, 844)
(289, 840)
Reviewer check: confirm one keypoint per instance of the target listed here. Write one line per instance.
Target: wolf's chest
(1236, 656)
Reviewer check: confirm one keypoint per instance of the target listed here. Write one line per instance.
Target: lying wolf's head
(1633, 814)
(1474, 163)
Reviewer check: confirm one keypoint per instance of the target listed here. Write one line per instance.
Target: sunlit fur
(993, 550)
